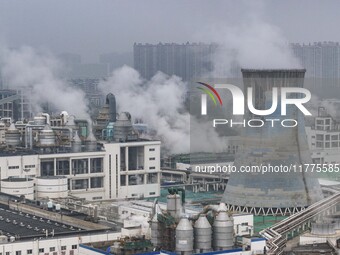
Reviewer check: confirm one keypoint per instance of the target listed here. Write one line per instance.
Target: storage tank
(223, 229)
(123, 127)
(76, 143)
(46, 137)
(18, 187)
(51, 186)
(39, 120)
(203, 234)
(155, 232)
(12, 136)
(184, 237)
(91, 142)
(174, 206)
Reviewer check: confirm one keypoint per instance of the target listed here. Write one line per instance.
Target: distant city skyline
(91, 28)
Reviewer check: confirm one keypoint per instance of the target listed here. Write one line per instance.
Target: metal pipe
(47, 116)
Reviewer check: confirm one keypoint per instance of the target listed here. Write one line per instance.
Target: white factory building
(57, 156)
(324, 138)
(120, 170)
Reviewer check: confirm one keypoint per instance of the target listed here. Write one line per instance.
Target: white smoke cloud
(250, 43)
(158, 102)
(38, 72)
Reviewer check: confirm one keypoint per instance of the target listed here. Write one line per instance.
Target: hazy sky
(101, 26)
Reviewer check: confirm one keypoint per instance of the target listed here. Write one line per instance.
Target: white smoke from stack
(28, 69)
(251, 42)
(158, 102)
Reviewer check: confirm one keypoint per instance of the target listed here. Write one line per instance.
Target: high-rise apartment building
(187, 60)
(321, 60)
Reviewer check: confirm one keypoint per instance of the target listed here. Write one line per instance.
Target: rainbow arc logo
(211, 92)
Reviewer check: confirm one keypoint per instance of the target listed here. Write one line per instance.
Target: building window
(97, 182)
(152, 149)
(152, 158)
(136, 158)
(152, 193)
(96, 165)
(122, 159)
(79, 166)
(63, 166)
(152, 178)
(29, 166)
(47, 167)
(63, 248)
(29, 251)
(152, 167)
(13, 167)
(80, 184)
(52, 249)
(74, 246)
(136, 179)
(41, 250)
(123, 180)
(18, 253)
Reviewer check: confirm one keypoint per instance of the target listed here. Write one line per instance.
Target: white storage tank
(203, 234)
(174, 206)
(18, 187)
(47, 137)
(184, 237)
(51, 186)
(76, 143)
(91, 142)
(223, 229)
(155, 232)
(39, 120)
(12, 136)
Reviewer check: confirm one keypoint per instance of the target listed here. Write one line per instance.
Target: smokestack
(272, 193)
(111, 101)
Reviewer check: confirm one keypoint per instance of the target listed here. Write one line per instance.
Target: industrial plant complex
(102, 186)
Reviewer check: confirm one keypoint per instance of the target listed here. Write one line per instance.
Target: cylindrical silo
(223, 231)
(184, 237)
(47, 137)
(18, 187)
(12, 136)
(123, 127)
(51, 186)
(91, 142)
(174, 206)
(155, 232)
(203, 234)
(76, 143)
(39, 120)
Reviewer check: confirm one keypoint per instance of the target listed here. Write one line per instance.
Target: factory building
(59, 156)
(324, 138)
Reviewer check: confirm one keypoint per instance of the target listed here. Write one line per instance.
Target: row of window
(78, 166)
(42, 250)
(138, 179)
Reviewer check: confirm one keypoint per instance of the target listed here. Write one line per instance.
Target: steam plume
(28, 69)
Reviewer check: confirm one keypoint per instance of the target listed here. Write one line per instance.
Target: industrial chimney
(272, 193)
